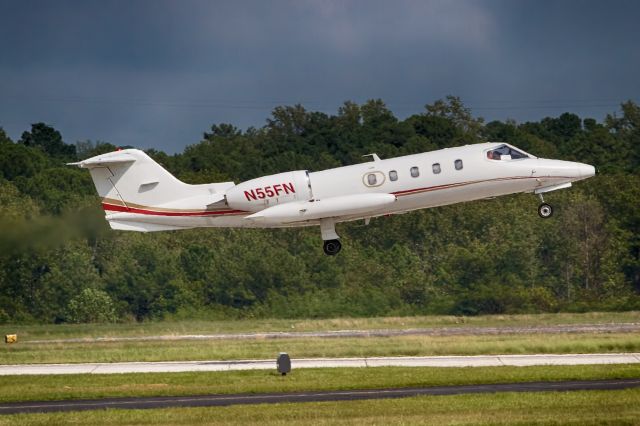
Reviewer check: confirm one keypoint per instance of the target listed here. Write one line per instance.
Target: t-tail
(138, 194)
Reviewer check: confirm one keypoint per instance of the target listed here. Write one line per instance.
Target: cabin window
(393, 175)
(505, 152)
(436, 168)
(414, 172)
(458, 164)
(373, 179)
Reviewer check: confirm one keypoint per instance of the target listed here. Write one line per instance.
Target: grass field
(185, 350)
(583, 408)
(33, 332)
(23, 388)
(592, 407)
(194, 350)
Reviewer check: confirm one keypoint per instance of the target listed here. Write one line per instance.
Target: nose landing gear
(545, 210)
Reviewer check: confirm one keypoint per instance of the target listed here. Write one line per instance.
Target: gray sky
(159, 73)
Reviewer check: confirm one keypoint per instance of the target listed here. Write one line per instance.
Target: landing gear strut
(545, 210)
(331, 244)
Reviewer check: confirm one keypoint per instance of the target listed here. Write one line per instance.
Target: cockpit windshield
(505, 152)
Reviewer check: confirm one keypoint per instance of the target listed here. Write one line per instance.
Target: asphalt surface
(318, 396)
(434, 331)
(270, 364)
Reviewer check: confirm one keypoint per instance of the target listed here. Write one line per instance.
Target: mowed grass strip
(580, 407)
(58, 387)
(185, 327)
(318, 347)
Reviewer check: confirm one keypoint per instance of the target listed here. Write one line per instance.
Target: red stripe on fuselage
(111, 207)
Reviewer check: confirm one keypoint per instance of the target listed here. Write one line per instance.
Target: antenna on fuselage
(374, 156)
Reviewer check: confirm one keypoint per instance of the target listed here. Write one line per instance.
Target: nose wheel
(332, 247)
(545, 210)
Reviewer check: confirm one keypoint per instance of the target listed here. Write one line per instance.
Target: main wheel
(545, 210)
(332, 247)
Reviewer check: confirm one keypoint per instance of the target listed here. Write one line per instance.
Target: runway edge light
(11, 338)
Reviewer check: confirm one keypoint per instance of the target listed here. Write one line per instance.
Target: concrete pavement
(270, 364)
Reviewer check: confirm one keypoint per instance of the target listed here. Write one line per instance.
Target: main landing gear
(331, 244)
(332, 247)
(545, 210)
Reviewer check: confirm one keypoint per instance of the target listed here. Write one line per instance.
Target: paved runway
(272, 398)
(270, 364)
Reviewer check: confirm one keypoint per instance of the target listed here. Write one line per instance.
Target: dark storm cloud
(159, 73)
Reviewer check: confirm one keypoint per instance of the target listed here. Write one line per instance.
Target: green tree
(489, 257)
(91, 306)
(453, 109)
(627, 128)
(87, 148)
(18, 160)
(49, 140)
(4, 138)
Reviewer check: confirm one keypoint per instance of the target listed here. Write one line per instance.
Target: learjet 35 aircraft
(140, 195)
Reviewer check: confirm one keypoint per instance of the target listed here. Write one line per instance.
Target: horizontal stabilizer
(117, 157)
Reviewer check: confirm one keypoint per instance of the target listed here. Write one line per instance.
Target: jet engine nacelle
(258, 194)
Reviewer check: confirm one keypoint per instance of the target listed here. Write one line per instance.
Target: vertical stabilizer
(133, 178)
(132, 183)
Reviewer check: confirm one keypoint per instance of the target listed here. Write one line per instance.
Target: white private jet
(140, 195)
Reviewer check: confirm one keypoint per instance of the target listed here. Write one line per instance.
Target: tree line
(59, 262)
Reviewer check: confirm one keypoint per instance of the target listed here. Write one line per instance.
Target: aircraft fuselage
(139, 195)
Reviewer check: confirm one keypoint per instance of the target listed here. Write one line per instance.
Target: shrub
(91, 305)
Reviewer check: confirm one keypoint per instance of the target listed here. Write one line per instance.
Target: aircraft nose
(586, 170)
